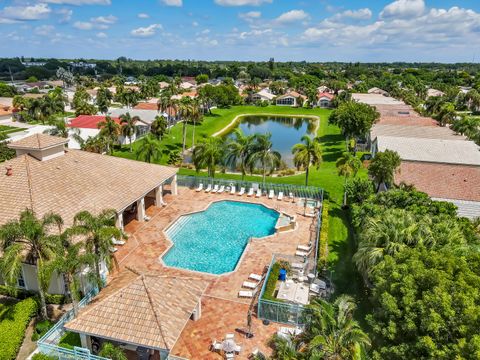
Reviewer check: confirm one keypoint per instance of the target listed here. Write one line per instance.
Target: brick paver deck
(222, 310)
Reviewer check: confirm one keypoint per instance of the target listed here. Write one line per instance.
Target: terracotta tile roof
(146, 106)
(150, 310)
(89, 121)
(460, 182)
(76, 181)
(325, 94)
(38, 142)
(407, 121)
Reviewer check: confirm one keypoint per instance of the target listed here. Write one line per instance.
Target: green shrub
(69, 340)
(24, 294)
(14, 319)
(272, 282)
(40, 356)
(323, 241)
(41, 329)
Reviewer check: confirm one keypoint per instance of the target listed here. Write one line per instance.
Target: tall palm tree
(347, 165)
(447, 114)
(30, 238)
(150, 149)
(285, 348)
(104, 99)
(110, 130)
(98, 230)
(239, 149)
(332, 333)
(208, 154)
(159, 126)
(59, 129)
(307, 154)
(262, 153)
(167, 104)
(196, 116)
(186, 112)
(128, 129)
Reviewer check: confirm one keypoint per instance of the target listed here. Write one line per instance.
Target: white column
(86, 341)
(141, 209)
(159, 196)
(174, 185)
(198, 311)
(119, 221)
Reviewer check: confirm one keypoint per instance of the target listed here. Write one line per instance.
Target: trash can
(283, 275)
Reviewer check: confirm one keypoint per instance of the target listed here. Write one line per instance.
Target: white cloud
(403, 9)
(241, 2)
(108, 20)
(44, 30)
(83, 25)
(143, 16)
(79, 2)
(65, 15)
(250, 16)
(101, 35)
(194, 24)
(173, 2)
(146, 31)
(360, 14)
(29, 12)
(291, 16)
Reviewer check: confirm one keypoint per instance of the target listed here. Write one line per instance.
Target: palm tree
(104, 99)
(99, 230)
(30, 238)
(112, 352)
(331, 332)
(167, 104)
(208, 154)
(196, 116)
(186, 112)
(262, 153)
(383, 167)
(110, 130)
(307, 154)
(348, 165)
(284, 348)
(239, 149)
(159, 126)
(149, 150)
(128, 129)
(59, 129)
(447, 114)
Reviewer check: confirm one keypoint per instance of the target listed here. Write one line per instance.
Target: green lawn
(4, 129)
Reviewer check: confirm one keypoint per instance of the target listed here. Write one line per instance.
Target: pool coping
(171, 243)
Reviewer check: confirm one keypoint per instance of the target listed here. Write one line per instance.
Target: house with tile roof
(143, 313)
(291, 98)
(47, 177)
(324, 100)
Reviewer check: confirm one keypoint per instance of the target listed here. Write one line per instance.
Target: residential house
(434, 92)
(378, 91)
(324, 100)
(263, 95)
(291, 98)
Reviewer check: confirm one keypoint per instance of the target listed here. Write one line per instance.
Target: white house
(290, 99)
(324, 100)
(263, 95)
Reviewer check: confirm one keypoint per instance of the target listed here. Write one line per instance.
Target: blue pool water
(213, 240)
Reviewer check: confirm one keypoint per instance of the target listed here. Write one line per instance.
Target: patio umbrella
(229, 345)
(249, 324)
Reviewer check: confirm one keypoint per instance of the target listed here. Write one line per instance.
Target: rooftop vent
(9, 171)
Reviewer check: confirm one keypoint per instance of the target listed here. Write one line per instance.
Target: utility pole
(11, 76)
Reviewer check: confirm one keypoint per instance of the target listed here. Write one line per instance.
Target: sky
(288, 30)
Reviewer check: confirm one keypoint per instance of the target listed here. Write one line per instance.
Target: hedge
(323, 242)
(14, 319)
(40, 356)
(272, 282)
(24, 294)
(41, 328)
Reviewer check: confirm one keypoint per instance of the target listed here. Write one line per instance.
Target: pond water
(286, 131)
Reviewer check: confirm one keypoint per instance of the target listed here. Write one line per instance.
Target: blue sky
(312, 30)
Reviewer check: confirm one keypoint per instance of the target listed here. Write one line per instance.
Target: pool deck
(222, 310)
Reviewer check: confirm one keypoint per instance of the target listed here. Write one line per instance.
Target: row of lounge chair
(219, 189)
(253, 286)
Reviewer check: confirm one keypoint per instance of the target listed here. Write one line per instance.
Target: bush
(40, 356)
(69, 340)
(323, 241)
(14, 321)
(41, 329)
(272, 282)
(24, 294)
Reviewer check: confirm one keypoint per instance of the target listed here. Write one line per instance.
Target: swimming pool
(213, 240)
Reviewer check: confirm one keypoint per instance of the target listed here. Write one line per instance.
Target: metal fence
(48, 343)
(299, 191)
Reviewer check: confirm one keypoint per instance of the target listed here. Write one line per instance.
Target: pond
(286, 131)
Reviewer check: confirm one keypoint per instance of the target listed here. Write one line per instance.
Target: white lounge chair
(199, 188)
(302, 253)
(209, 188)
(280, 196)
(271, 194)
(297, 266)
(221, 190)
(245, 294)
(217, 345)
(249, 285)
(254, 276)
(113, 250)
(115, 241)
(147, 218)
(304, 248)
(233, 190)
(238, 348)
(259, 193)
(250, 192)
(242, 191)
(215, 188)
(290, 195)
(229, 356)
(229, 336)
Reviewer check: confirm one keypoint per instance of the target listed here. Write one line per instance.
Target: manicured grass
(4, 129)
(69, 340)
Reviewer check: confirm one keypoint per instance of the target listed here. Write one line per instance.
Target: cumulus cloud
(79, 2)
(146, 31)
(241, 2)
(108, 20)
(173, 2)
(403, 9)
(360, 14)
(65, 15)
(143, 16)
(29, 12)
(291, 16)
(250, 16)
(101, 35)
(44, 30)
(83, 25)
(100, 23)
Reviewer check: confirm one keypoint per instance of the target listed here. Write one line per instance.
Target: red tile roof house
(89, 127)
(289, 99)
(324, 100)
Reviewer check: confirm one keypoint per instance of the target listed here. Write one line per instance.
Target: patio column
(197, 313)
(119, 221)
(174, 185)
(159, 196)
(86, 341)
(141, 209)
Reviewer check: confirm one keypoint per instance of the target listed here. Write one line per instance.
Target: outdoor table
(229, 345)
(301, 294)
